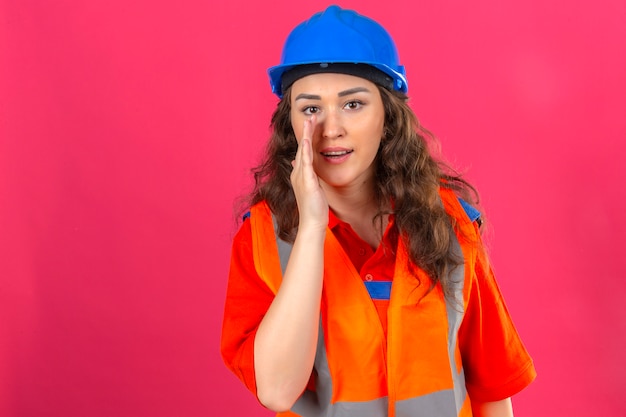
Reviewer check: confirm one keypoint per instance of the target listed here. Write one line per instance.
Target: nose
(332, 126)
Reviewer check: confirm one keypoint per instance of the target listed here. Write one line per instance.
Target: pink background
(127, 129)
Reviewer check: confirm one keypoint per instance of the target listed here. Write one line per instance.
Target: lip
(336, 155)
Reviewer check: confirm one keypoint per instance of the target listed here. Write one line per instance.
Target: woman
(358, 282)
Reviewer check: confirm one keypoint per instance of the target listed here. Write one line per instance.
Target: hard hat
(339, 36)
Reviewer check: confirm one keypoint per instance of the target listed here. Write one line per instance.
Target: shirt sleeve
(495, 361)
(247, 300)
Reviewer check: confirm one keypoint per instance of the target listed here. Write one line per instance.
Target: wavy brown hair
(406, 174)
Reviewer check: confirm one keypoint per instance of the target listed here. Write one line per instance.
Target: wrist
(311, 232)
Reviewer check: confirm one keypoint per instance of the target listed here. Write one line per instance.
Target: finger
(307, 133)
(309, 128)
(306, 151)
(302, 145)
(307, 141)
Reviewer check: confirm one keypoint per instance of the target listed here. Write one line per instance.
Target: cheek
(381, 122)
(377, 127)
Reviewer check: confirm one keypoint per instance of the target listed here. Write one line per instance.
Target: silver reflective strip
(446, 403)
(455, 311)
(284, 248)
(374, 408)
(439, 404)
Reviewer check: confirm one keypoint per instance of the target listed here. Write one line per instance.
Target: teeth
(336, 153)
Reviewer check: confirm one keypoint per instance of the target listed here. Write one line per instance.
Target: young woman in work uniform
(358, 282)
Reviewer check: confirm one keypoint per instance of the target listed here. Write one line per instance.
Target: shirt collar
(334, 222)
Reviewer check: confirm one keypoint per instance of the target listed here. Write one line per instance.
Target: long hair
(407, 175)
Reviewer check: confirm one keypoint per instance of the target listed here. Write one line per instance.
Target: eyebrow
(352, 91)
(304, 96)
(307, 97)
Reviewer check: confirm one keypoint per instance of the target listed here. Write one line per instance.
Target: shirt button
(361, 251)
(369, 277)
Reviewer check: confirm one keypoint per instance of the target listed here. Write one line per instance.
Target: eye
(309, 110)
(353, 105)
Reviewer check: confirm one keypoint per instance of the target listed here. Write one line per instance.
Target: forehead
(330, 83)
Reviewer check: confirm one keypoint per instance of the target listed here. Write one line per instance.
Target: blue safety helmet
(338, 38)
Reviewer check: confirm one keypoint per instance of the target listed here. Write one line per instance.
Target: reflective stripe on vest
(359, 373)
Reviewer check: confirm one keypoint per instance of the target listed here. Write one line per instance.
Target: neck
(353, 202)
(357, 207)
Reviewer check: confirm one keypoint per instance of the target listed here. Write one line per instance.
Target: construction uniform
(390, 344)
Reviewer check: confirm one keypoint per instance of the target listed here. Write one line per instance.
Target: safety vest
(416, 371)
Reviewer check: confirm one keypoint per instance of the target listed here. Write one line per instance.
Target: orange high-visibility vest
(417, 370)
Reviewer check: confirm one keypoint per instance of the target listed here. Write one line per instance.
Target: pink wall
(127, 129)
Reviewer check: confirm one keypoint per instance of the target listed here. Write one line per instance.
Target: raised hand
(312, 203)
(286, 341)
